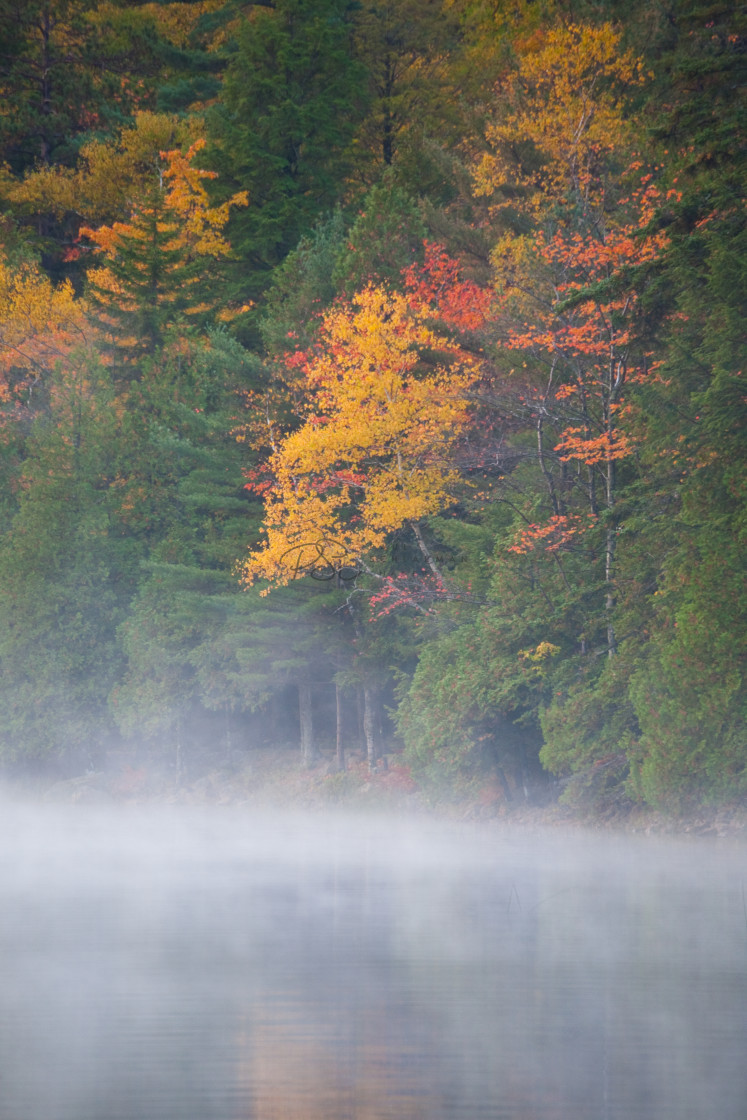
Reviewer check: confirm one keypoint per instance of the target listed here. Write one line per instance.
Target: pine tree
(157, 267)
(283, 126)
(66, 573)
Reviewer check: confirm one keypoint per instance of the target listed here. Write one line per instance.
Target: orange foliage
(184, 210)
(373, 452)
(585, 335)
(177, 210)
(437, 285)
(551, 537)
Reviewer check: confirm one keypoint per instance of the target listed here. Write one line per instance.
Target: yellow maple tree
(559, 117)
(109, 176)
(388, 401)
(40, 323)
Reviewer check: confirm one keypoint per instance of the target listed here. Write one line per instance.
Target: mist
(215, 964)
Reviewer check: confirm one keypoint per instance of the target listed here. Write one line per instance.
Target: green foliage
(303, 287)
(689, 690)
(66, 574)
(588, 717)
(282, 127)
(405, 46)
(385, 238)
(145, 288)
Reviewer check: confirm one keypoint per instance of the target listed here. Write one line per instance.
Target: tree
(405, 46)
(561, 122)
(282, 127)
(585, 342)
(372, 453)
(340, 257)
(181, 493)
(110, 176)
(561, 357)
(688, 684)
(66, 573)
(385, 238)
(646, 432)
(47, 75)
(40, 325)
(303, 287)
(156, 264)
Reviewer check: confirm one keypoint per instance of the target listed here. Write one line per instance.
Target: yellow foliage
(373, 452)
(565, 100)
(176, 22)
(39, 323)
(520, 275)
(109, 177)
(540, 653)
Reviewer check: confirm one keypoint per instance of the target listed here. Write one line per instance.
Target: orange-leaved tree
(583, 339)
(386, 403)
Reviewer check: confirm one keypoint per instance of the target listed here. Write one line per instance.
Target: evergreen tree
(405, 46)
(283, 126)
(158, 264)
(66, 574)
(688, 687)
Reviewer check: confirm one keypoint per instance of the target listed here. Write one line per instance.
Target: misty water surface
(216, 965)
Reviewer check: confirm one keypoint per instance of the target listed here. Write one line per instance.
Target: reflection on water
(218, 966)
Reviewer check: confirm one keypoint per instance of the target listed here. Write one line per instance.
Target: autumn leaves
(385, 402)
(387, 384)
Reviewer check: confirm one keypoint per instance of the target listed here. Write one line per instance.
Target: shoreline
(273, 780)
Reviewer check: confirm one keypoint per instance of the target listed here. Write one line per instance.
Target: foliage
(479, 371)
(561, 120)
(372, 452)
(40, 324)
(109, 176)
(66, 574)
(282, 127)
(155, 268)
(302, 287)
(385, 238)
(405, 46)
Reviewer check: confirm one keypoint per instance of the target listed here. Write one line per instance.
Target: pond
(180, 964)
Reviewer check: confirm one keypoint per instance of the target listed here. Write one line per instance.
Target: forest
(371, 378)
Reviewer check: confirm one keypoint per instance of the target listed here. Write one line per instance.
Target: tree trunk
(425, 550)
(340, 739)
(609, 601)
(309, 750)
(609, 551)
(359, 707)
(615, 387)
(370, 727)
(501, 774)
(178, 759)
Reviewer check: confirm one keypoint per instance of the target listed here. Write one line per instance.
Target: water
(216, 965)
